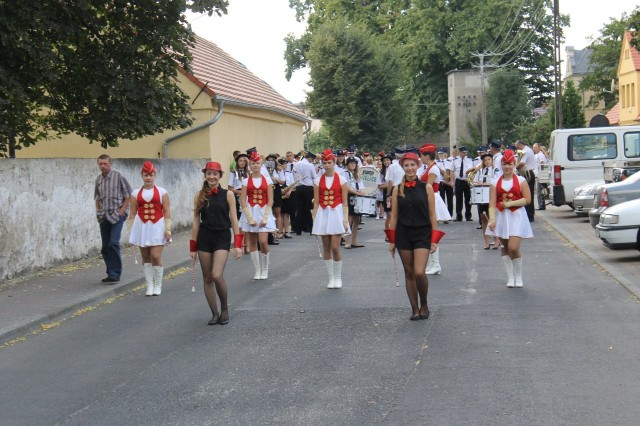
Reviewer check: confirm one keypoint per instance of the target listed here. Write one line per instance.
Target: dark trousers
(110, 234)
(304, 204)
(531, 181)
(446, 192)
(463, 196)
(542, 203)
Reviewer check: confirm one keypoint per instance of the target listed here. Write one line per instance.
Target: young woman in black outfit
(214, 214)
(413, 231)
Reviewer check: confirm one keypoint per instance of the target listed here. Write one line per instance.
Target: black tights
(212, 265)
(415, 263)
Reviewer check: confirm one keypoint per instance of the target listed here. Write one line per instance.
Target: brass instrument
(471, 177)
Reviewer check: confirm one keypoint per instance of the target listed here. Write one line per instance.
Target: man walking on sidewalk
(112, 194)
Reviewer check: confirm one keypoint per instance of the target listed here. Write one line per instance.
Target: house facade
(577, 67)
(626, 111)
(232, 108)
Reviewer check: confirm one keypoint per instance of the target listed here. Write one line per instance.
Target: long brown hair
(202, 198)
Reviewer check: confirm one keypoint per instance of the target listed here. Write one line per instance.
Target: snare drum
(365, 205)
(480, 195)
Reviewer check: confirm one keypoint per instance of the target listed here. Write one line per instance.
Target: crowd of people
(267, 198)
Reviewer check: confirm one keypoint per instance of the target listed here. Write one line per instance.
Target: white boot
(329, 265)
(158, 274)
(508, 266)
(264, 274)
(148, 277)
(255, 259)
(433, 264)
(337, 274)
(517, 268)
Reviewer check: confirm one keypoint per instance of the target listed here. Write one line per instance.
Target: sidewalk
(42, 300)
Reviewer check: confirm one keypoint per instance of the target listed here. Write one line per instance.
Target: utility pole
(557, 63)
(482, 102)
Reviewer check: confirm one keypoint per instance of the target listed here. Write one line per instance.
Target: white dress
(329, 221)
(147, 234)
(511, 223)
(442, 213)
(256, 211)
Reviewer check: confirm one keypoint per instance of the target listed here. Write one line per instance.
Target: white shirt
(540, 159)
(456, 164)
(306, 172)
(257, 181)
(394, 173)
(529, 158)
(487, 175)
(497, 161)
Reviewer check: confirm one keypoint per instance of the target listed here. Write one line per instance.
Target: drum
(365, 205)
(480, 195)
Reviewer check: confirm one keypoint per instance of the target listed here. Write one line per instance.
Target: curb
(35, 326)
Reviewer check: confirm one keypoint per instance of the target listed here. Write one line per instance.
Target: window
(626, 53)
(632, 145)
(597, 146)
(623, 98)
(633, 94)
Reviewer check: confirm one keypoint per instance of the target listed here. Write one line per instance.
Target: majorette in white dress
(257, 204)
(330, 215)
(148, 226)
(442, 213)
(510, 223)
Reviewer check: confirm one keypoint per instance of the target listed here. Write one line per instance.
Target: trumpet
(287, 188)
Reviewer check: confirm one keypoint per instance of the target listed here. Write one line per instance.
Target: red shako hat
(427, 147)
(508, 157)
(255, 157)
(327, 155)
(147, 167)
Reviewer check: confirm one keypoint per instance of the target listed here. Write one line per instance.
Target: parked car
(583, 197)
(611, 194)
(619, 226)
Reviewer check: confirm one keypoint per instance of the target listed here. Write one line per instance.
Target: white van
(576, 156)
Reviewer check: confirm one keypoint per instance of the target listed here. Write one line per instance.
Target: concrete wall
(47, 212)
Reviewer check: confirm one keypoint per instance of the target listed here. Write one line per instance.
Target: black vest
(214, 215)
(413, 208)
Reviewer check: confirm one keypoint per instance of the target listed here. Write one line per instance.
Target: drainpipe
(204, 125)
(305, 132)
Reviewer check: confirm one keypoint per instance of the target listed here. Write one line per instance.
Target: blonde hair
(401, 187)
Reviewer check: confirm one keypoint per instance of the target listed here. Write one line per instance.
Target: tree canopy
(507, 103)
(103, 69)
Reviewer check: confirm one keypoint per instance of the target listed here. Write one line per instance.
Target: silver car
(583, 197)
(611, 194)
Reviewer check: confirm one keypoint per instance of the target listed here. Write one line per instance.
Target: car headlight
(609, 219)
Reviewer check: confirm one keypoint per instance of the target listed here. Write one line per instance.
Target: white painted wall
(47, 212)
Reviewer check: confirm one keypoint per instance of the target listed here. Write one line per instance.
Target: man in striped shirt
(112, 194)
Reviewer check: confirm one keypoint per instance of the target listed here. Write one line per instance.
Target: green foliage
(105, 69)
(634, 25)
(356, 82)
(507, 103)
(536, 131)
(572, 112)
(318, 141)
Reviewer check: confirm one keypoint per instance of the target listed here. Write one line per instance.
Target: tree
(356, 83)
(572, 112)
(104, 69)
(507, 103)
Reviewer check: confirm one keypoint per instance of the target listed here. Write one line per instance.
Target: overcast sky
(253, 32)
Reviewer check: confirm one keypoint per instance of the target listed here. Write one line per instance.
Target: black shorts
(483, 208)
(210, 241)
(277, 196)
(384, 202)
(413, 237)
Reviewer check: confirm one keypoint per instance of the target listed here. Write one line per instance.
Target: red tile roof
(226, 77)
(614, 115)
(635, 55)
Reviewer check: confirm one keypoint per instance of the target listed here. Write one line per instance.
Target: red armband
(193, 246)
(391, 235)
(436, 235)
(237, 240)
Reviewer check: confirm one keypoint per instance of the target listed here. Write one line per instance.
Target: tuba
(471, 176)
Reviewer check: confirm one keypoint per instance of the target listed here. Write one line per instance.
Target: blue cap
(512, 148)
(482, 148)
(352, 148)
(463, 149)
(495, 144)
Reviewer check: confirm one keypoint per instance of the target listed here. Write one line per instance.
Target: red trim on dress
(150, 210)
(257, 196)
(512, 195)
(425, 178)
(330, 197)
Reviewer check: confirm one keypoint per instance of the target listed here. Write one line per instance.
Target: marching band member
(330, 216)
(413, 231)
(459, 168)
(354, 184)
(526, 167)
(214, 213)
(382, 186)
(431, 174)
(508, 195)
(483, 178)
(495, 149)
(234, 185)
(256, 220)
(150, 227)
(446, 190)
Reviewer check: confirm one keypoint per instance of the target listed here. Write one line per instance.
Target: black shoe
(110, 280)
(457, 219)
(479, 227)
(469, 219)
(287, 236)
(273, 243)
(540, 208)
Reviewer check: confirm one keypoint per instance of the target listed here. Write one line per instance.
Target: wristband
(436, 236)
(492, 214)
(391, 235)
(248, 214)
(167, 224)
(237, 240)
(193, 246)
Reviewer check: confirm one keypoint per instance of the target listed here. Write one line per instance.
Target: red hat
(508, 157)
(255, 157)
(212, 165)
(427, 147)
(366, 154)
(381, 154)
(147, 167)
(409, 156)
(327, 155)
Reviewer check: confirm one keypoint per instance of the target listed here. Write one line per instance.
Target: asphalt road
(561, 351)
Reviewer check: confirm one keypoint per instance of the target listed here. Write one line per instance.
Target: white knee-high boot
(433, 264)
(508, 266)
(148, 277)
(337, 274)
(158, 274)
(517, 268)
(329, 265)
(255, 259)
(264, 274)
